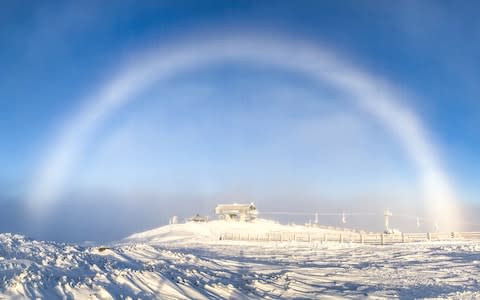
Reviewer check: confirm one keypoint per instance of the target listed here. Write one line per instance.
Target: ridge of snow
(207, 231)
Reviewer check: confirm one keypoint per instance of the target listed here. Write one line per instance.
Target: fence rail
(349, 237)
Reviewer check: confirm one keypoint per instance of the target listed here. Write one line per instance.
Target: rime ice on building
(236, 212)
(198, 219)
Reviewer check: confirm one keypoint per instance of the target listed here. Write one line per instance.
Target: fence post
(382, 242)
(362, 239)
(403, 237)
(341, 238)
(429, 237)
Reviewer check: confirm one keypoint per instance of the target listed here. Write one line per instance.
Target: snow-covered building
(236, 212)
(198, 219)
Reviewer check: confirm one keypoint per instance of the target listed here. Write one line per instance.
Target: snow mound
(210, 231)
(205, 231)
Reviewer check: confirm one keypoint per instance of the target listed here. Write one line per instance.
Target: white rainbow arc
(371, 94)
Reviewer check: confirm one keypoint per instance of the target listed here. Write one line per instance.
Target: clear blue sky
(224, 129)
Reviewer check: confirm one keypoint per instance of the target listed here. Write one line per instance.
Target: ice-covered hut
(236, 212)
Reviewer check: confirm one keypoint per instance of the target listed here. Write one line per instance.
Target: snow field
(187, 261)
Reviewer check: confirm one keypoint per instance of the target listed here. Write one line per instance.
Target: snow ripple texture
(156, 265)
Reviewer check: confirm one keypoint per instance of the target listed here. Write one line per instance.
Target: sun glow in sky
(237, 129)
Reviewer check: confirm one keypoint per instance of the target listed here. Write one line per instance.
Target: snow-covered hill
(191, 232)
(188, 261)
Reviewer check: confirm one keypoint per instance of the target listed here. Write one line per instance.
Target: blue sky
(235, 129)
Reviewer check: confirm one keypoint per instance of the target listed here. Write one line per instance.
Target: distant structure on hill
(198, 219)
(173, 220)
(236, 212)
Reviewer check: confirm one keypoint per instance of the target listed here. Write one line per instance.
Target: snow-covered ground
(188, 261)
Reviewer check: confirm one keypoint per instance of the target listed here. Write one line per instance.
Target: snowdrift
(187, 261)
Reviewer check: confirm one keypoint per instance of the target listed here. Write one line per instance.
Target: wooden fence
(349, 237)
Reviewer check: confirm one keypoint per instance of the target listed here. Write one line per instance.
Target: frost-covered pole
(387, 214)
